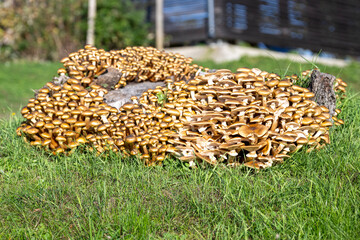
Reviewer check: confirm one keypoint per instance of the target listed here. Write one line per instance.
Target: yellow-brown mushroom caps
(253, 129)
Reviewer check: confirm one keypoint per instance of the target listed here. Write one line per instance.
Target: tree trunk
(159, 24)
(90, 36)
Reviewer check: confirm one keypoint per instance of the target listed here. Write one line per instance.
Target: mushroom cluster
(60, 117)
(135, 64)
(249, 117)
(340, 86)
(63, 115)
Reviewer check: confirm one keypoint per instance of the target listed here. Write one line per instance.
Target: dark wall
(328, 25)
(331, 25)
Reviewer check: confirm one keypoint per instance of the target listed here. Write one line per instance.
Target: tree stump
(117, 98)
(108, 79)
(321, 84)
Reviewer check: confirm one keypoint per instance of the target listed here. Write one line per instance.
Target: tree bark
(322, 85)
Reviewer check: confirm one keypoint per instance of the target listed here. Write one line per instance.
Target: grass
(17, 81)
(83, 196)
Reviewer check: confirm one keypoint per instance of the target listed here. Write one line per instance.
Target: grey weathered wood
(321, 84)
(108, 79)
(117, 98)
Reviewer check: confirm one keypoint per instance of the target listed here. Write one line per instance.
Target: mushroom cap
(284, 83)
(70, 134)
(160, 115)
(32, 131)
(128, 106)
(298, 88)
(281, 94)
(251, 154)
(45, 135)
(173, 112)
(302, 140)
(309, 95)
(73, 144)
(243, 69)
(130, 139)
(255, 147)
(232, 102)
(81, 140)
(91, 68)
(49, 126)
(40, 124)
(236, 125)
(94, 123)
(102, 112)
(234, 146)
(254, 164)
(326, 123)
(307, 120)
(253, 129)
(60, 138)
(77, 87)
(46, 142)
(285, 138)
(272, 83)
(101, 127)
(264, 92)
(295, 98)
(80, 124)
(87, 113)
(70, 121)
(340, 121)
(208, 91)
(192, 88)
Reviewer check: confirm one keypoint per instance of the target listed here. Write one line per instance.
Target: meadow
(312, 195)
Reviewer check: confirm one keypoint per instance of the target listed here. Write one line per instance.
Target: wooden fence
(327, 25)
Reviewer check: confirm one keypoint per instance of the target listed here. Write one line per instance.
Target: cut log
(108, 79)
(117, 98)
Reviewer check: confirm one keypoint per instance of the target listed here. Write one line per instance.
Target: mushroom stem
(104, 119)
(279, 148)
(192, 93)
(232, 156)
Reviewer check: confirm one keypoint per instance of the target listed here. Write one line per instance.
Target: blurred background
(36, 34)
(50, 29)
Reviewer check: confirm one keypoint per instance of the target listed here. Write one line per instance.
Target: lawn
(18, 80)
(84, 196)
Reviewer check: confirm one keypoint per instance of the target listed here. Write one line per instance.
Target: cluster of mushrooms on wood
(249, 117)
